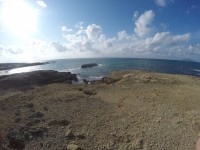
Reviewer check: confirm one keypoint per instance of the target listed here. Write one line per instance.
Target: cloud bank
(91, 41)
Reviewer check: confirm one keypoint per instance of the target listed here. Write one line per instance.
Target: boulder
(36, 78)
(89, 65)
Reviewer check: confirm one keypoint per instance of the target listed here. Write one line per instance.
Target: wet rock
(86, 81)
(73, 147)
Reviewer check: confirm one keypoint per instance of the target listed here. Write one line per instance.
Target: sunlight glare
(19, 17)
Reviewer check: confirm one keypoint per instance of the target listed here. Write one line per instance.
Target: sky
(38, 30)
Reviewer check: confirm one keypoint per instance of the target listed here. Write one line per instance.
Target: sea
(107, 65)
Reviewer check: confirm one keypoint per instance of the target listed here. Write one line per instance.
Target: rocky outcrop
(35, 78)
(110, 80)
(89, 65)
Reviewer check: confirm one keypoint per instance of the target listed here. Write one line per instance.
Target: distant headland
(8, 66)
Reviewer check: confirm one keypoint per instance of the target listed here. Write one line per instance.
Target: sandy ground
(141, 111)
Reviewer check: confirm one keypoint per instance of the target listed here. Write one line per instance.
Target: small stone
(17, 120)
(29, 105)
(159, 119)
(139, 144)
(199, 134)
(17, 114)
(73, 147)
(46, 109)
(69, 133)
(38, 132)
(37, 115)
(80, 136)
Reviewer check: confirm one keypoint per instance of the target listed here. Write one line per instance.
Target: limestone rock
(73, 147)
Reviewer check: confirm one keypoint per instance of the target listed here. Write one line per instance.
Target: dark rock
(17, 114)
(38, 132)
(17, 119)
(58, 122)
(16, 143)
(80, 136)
(89, 65)
(86, 81)
(109, 80)
(37, 115)
(90, 92)
(29, 105)
(33, 121)
(28, 80)
(1, 140)
(46, 109)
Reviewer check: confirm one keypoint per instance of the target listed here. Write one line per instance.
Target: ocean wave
(197, 70)
(96, 77)
(70, 70)
(100, 65)
(4, 73)
(74, 69)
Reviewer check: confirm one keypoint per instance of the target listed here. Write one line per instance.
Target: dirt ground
(137, 111)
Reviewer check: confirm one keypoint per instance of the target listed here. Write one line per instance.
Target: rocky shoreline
(30, 80)
(126, 110)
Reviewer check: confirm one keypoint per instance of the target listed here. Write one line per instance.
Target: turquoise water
(108, 65)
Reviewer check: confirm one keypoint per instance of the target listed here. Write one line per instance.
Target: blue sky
(36, 30)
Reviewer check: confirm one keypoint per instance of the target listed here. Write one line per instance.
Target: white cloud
(65, 29)
(142, 24)
(135, 15)
(93, 31)
(58, 47)
(41, 3)
(79, 25)
(122, 35)
(162, 3)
